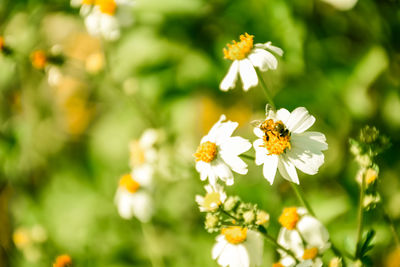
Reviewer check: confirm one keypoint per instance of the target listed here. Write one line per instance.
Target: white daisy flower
(214, 197)
(218, 153)
(105, 17)
(132, 197)
(246, 57)
(284, 144)
(142, 151)
(238, 247)
(304, 235)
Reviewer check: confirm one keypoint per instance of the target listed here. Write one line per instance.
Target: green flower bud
(231, 203)
(249, 217)
(211, 221)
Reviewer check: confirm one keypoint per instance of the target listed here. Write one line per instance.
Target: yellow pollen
(234, 234)
(212, 201)
(1, 43)
(206, 152)
(289, 218)
(370, 176)
(277, 264)
(239, 50)
(129, 183)
(107, 6)
(310, 254)
(39, 59)
(137, 153)
(63, 261)
(276, 138)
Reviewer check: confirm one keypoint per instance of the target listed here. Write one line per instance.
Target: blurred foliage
(64, 142)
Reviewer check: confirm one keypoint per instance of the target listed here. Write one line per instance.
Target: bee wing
(256, 123)
(269, 110)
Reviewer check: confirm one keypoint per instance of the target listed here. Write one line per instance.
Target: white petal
(290, 239)
(203, 168)
(243, 256)
(254, 244)
(230, 78)
(287, 169)
(222, 171)
(225, 131)
(109, 27)
(270, 47)
(270, 166)
(283, 115)
(142, 206)
(218, 248)
(258, 132)
(261, 151)
(236, 163)
(300, 120)
(235, 145)
(314, 233)
(263, 59)
(149, 138)
(212, 134)
(247, 74)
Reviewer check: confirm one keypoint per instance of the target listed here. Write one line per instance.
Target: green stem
(389, 221)
(360, 215)
(247, 157)
(301, 198)
(266, 91)
(272, 240)
(149, 236)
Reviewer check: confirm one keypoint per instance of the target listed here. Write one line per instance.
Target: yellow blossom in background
(95, 63)
(393, 258)
(1, 43)
(63, 261)
(39, 59)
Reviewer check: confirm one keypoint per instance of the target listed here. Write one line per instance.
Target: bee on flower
(285, 144)
(247, 56)
(218, 153)
(133, 198)
(213, 199)
(238, 247)
(304, 235)
(105, 17)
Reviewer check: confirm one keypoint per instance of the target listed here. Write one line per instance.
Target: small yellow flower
(235, 234)
(39, 59)
(63, 261)
(370, 176)
(289, 218)
(277, 264)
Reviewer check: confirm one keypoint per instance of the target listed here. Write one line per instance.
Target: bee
(275, 128)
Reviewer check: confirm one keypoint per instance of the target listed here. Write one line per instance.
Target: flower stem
(301, 198)
(247, 157)
(266, 91)
(272, 240)
(149, 236)
(360, 215)
(389, 221)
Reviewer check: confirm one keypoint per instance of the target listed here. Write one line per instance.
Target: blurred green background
(64, 144)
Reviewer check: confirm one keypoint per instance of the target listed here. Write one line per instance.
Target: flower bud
(231, 203)
(249, 217)
(211, 222)
(262, 217)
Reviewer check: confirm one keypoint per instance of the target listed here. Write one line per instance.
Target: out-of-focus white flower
(304, 235)
(246, 57)
(284, 144)
(238, 247)
(342, 5)
(107, 16)
(214, 197)
(142, 151)
(132, 197)
(54, 75)
(219, 152)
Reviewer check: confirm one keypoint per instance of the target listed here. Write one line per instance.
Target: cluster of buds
(225, 211)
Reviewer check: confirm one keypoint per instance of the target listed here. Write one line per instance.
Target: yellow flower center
(1, 43)
(276, 138)
(234, 234)
(370, 176)
(88, 2)
(137, 154)
(277, 264)
(212, 201)
(206, 152)
(310, 254)
(107, 6)
(289, 218)
(239, 50)
(63, 261)
(129, 183)
(39, 59)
